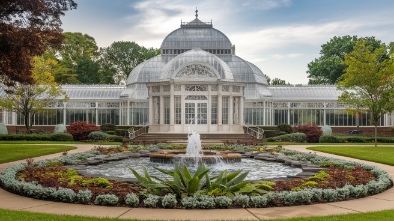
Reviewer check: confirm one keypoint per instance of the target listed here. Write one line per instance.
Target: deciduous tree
(329, 67)
(26, 29)
(368, 82)
(28, 99)
(120, 58)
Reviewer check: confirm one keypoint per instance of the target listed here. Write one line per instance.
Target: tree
(368, 82)
(26, 29)
(329, 67)
(78, 60)
(277, 81)
(87, 71)
(120, 58)
(28, 99)
(77, 46)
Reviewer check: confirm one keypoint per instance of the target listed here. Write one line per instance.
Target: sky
(279, 36)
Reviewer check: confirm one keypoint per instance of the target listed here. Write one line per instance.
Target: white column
(241, 111)
(209, 109)
(231, 110)
(172, 108)
(128, 112)
(220, 105)
(151, 111)
(161, 110)
(64, 113)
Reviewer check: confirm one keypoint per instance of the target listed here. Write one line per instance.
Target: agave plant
(146, 181)
(183, 181)
(226, 183)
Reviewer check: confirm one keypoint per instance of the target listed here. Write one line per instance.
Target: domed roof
(196, 64)
(196, 34)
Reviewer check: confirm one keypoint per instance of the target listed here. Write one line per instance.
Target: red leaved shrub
(312, 132)
(81, 129)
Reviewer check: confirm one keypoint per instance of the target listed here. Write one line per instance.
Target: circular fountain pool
(258, 169)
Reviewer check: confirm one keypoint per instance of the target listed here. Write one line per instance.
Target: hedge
(37, 137)
(354, 139)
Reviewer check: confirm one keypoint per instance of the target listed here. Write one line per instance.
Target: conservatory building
(197, 82)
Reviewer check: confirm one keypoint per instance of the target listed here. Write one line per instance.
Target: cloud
(265, 4)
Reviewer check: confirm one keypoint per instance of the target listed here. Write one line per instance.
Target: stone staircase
(206, 138)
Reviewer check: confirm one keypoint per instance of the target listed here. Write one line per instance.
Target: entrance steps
(206, 138)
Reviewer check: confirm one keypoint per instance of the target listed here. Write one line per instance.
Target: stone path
(382, 201)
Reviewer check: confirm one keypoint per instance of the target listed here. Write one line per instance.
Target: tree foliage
(368, 82)
(120, 58)
(329, 67)
(27, 28)
(28, 99)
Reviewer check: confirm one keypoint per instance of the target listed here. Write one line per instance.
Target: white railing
(135, 133)
(258, 134)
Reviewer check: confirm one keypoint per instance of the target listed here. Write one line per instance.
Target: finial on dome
(196, 12)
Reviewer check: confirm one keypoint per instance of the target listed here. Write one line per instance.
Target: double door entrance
(196, 113)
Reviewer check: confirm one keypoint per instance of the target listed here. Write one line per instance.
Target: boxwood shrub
(294, 137)
(9, 181)
(62, 137)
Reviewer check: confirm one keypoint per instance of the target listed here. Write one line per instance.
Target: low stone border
(308, 169)
(287, 198)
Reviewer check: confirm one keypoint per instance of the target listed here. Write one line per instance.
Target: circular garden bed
(56, 180)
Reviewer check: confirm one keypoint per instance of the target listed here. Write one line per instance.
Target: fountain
(194, 154)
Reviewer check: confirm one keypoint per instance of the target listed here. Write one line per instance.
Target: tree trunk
(376, 134)
(27, 123)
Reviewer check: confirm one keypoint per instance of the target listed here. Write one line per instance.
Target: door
(196, 113)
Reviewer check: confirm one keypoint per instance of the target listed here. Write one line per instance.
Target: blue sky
(280, 36)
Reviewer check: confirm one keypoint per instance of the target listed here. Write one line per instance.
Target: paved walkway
(378, 202)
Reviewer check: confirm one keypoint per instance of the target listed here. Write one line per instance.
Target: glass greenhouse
(198, 81)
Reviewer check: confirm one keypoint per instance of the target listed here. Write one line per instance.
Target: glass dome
(196, 34)
(204, 65)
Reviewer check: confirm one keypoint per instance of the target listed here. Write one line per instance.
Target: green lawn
(57, 142)
(10, 215)
(13, 152)
(380, 154)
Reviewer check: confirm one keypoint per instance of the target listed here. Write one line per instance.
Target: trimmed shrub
(3, 129)
(272, 133)
(326, 129)
(29, 137)
(312, 132)
(115, 138)
(107, 127)
(169, 201)
(62, 137)
(84, 196)
(132, 200)
(328, 139)
(259, 201)
(352, 139)
(97, 135)
(152, 201)
(121, 132)
(60, 128)
(106, 199)
(294, 137)
(81, 129)
(285, 128)
(241, 201)
(223, 202)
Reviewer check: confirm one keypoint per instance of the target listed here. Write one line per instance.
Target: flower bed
(49, 180)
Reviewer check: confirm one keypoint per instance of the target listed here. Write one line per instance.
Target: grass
(57, 142)
(10, 215)
(380, 154)
(13, 152)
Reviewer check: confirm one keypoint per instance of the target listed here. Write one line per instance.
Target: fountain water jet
(194, 155)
